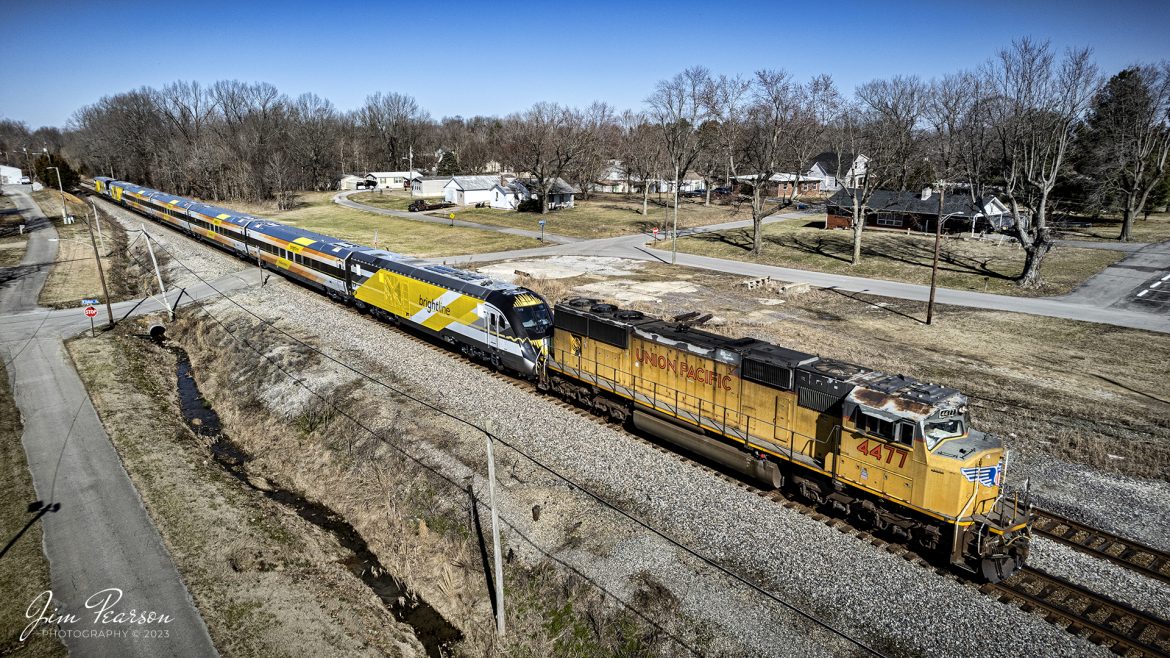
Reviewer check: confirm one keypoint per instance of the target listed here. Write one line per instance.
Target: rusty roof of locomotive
(879, 390)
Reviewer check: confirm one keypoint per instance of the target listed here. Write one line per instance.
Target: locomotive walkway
(100, 536)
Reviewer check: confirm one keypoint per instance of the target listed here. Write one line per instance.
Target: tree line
(1041, 129)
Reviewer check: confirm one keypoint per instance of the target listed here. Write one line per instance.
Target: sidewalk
(100, 541)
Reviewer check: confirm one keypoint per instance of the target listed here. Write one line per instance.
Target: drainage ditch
(436, 633)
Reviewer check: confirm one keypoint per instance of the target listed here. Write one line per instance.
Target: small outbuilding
(469, 190)
(429, 186)
(9, 175)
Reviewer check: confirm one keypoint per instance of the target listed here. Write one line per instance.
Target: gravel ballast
(891, 604)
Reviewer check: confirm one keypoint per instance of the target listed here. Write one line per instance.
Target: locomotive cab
(913, 442)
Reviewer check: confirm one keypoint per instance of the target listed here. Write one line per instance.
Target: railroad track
(1119, 627)
(1101, 620)
(1143, 559)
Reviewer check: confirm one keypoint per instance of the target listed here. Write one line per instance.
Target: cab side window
(875, 426)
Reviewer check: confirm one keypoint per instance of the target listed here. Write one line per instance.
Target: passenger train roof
(470, 283)
(464, 281)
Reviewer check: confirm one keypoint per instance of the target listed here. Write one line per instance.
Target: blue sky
(497, 57)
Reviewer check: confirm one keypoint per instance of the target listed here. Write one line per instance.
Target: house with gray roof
(918, 211)
(469, 190)
(824, 167)
(508, 195)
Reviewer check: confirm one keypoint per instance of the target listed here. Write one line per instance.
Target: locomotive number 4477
(879, 448)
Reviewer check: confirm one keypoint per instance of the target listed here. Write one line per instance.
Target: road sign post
(542, 230)
(91, 313)
(656, 234)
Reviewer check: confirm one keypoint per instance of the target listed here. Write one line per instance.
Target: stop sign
(90, 312)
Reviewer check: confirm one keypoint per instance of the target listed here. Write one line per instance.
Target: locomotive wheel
(1001, 567)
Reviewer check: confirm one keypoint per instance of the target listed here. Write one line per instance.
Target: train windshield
(936, 431)
(535, 319)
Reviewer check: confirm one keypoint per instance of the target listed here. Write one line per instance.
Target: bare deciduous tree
(677, 107)
(1038, 104)
(763, 142)
(641, 153)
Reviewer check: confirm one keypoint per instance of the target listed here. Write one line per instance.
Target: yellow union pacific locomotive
(894, 452)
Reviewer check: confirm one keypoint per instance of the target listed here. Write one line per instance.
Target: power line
(597, 497)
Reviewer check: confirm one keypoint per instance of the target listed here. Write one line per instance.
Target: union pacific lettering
(684, 369)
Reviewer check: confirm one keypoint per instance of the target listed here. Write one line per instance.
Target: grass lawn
(963, 264)
(317, 212)
(74, 275)
(606, 215)
(396, 200)
(1154, 229)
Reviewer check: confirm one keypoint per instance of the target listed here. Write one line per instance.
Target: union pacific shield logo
(988, 476)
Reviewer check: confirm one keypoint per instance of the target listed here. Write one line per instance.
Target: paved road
(1113, 287)
(101, 536)
(342, 199)
(22, 284)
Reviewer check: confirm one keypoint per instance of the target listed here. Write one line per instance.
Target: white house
(356, 182)
(509, 195)
(469, 190)
(394, 180)
(824, 168)
(505, 196)
(432, 186)
(9, 175)
(615, 179)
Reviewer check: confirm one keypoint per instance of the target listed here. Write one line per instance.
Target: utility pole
(674, 232)
(495, 533)
(410, 169)
(934, 266)
(101, 273)
(161, 286)
(61, 187)
(97, 221)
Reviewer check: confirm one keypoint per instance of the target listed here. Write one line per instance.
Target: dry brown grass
(24, 571)
(75, 274)
(1154, 229)
(606, 215)
(416, 522)
(265, 581)
(965, 264)
(315, 211)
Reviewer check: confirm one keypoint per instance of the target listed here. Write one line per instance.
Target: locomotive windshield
(536, 320)
(936, 431)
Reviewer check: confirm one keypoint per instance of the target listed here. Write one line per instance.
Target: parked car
(24, 180)
(722, 191)
(694, 194)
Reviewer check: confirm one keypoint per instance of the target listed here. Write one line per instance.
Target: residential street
(100, 537)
